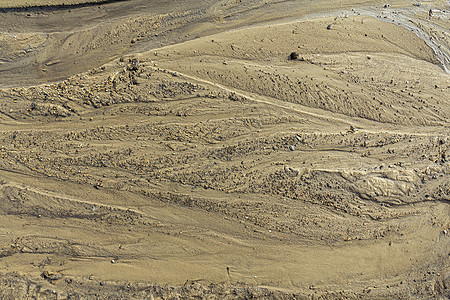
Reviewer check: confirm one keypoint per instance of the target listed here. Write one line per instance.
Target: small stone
(113, 261)
(294, 55)
(25, 249)
(329, 26)
(292, 148)
(51, 276)
(133, 65)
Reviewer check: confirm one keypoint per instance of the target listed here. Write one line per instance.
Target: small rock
(113, 261)
(329, 26)
(51, 276)
(133, 65)
(292, 148)
(294, 55)
(25, 249)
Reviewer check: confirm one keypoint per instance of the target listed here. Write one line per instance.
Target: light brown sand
(34, 3)
(214, 166)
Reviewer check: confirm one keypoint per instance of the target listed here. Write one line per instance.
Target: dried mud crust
(81, 289)
(56, 286)
(148, 130)
(223, 161)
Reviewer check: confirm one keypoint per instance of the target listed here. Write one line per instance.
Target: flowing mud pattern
(224, 150)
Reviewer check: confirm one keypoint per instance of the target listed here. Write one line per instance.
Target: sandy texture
(189, 156)
(41, 3)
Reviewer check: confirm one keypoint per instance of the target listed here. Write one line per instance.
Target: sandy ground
(174, 150)
(21, 4)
